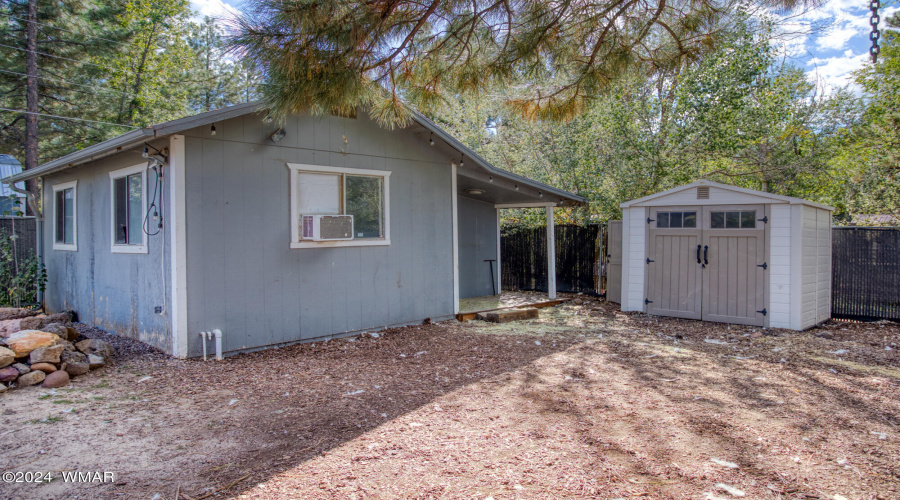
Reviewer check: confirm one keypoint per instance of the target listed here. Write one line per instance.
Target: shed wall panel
(780, 266)
(634, 244)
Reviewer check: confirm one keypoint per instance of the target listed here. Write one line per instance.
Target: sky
(829, 42)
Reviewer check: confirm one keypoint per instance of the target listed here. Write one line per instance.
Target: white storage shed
(715, 252)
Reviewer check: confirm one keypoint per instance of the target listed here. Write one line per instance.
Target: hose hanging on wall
(154, 210)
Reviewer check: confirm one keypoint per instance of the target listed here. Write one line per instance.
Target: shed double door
(707, 263)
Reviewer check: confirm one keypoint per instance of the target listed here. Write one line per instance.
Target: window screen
(676, 219)
(319, 193)
(738, 219)
(365, 203)
(65, 216)
(128, 207)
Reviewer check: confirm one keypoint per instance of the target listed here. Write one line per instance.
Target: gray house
(273, 233)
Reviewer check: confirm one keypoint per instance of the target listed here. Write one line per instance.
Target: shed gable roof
(719, 194)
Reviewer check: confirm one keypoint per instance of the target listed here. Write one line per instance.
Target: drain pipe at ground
(217, 334)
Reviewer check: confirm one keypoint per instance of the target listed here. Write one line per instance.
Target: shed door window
(127, 196)
(738, 219)
(65, 216)
(676, 219)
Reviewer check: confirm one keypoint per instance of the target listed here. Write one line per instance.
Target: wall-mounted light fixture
(277, 135)
(491, 178)
(431, 139)
(212, 129)
(462, 161)
(517, 187)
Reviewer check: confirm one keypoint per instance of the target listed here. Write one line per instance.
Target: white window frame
(118, 174)
(73, 185)
(296, 242)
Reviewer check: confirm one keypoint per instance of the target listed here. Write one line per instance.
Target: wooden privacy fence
(865, 273)
(523, 257)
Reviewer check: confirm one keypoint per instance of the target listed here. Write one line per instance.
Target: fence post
(551, 254)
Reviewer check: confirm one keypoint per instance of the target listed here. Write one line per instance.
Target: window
(364, 194)
(738, 219)
(128, 192)
(676, 219)
(65, 223)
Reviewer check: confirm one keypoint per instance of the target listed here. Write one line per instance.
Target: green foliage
(21, 277)
(734, 116)
(335, 55)
(871, 159)
(131, 63)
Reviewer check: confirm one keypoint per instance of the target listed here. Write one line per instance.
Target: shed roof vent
(703, 193)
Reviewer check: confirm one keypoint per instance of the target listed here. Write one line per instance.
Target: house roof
(762, 196)
(138, 136)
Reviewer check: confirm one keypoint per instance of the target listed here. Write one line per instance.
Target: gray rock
(96, 347)
(7, 357)
(96, 361)
(8, 374)
(3, 388)
(67, 346)
(75, 363)
(56, 379)
(46, 354)
(64, 332)
(38, 322)
(32, 378)
(22, 368)
(16, 313)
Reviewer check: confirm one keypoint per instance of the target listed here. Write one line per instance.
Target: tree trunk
(31, 104)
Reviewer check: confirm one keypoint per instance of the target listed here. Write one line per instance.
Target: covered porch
(482, 191)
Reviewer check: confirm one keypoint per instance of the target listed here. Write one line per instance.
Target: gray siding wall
(477, 242)
(816, 267)
(242, 275)
(115, 291)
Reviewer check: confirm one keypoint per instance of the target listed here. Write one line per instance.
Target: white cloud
(835, 72)
(837, 37)
(832, 39)
(214, 8)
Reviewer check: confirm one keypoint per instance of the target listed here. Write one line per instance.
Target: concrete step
(507, 315)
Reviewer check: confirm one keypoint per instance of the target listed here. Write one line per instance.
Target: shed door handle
(698, 254)
(705, 259)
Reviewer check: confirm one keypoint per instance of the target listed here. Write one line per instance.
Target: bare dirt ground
(585, 402)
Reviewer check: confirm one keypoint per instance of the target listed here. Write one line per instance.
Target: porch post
(551, 254)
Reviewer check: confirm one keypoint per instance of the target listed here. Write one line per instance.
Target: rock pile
(45, 349)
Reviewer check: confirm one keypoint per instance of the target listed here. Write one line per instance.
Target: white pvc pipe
(218, 334)
(203, 341)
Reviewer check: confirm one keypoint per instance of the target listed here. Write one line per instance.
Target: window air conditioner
(326, 227)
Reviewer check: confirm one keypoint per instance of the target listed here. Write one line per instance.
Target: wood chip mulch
(585, 402)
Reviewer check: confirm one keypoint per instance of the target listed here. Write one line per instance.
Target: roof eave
(424, 121)
(89, 153)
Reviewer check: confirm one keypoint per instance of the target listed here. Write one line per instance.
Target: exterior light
(475, 192)
(277, 135)
(212, 129)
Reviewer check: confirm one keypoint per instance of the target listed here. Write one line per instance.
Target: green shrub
(21, 278)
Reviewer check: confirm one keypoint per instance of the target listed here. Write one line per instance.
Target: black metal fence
(25, 230)
(865, 273)
(523, 257)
